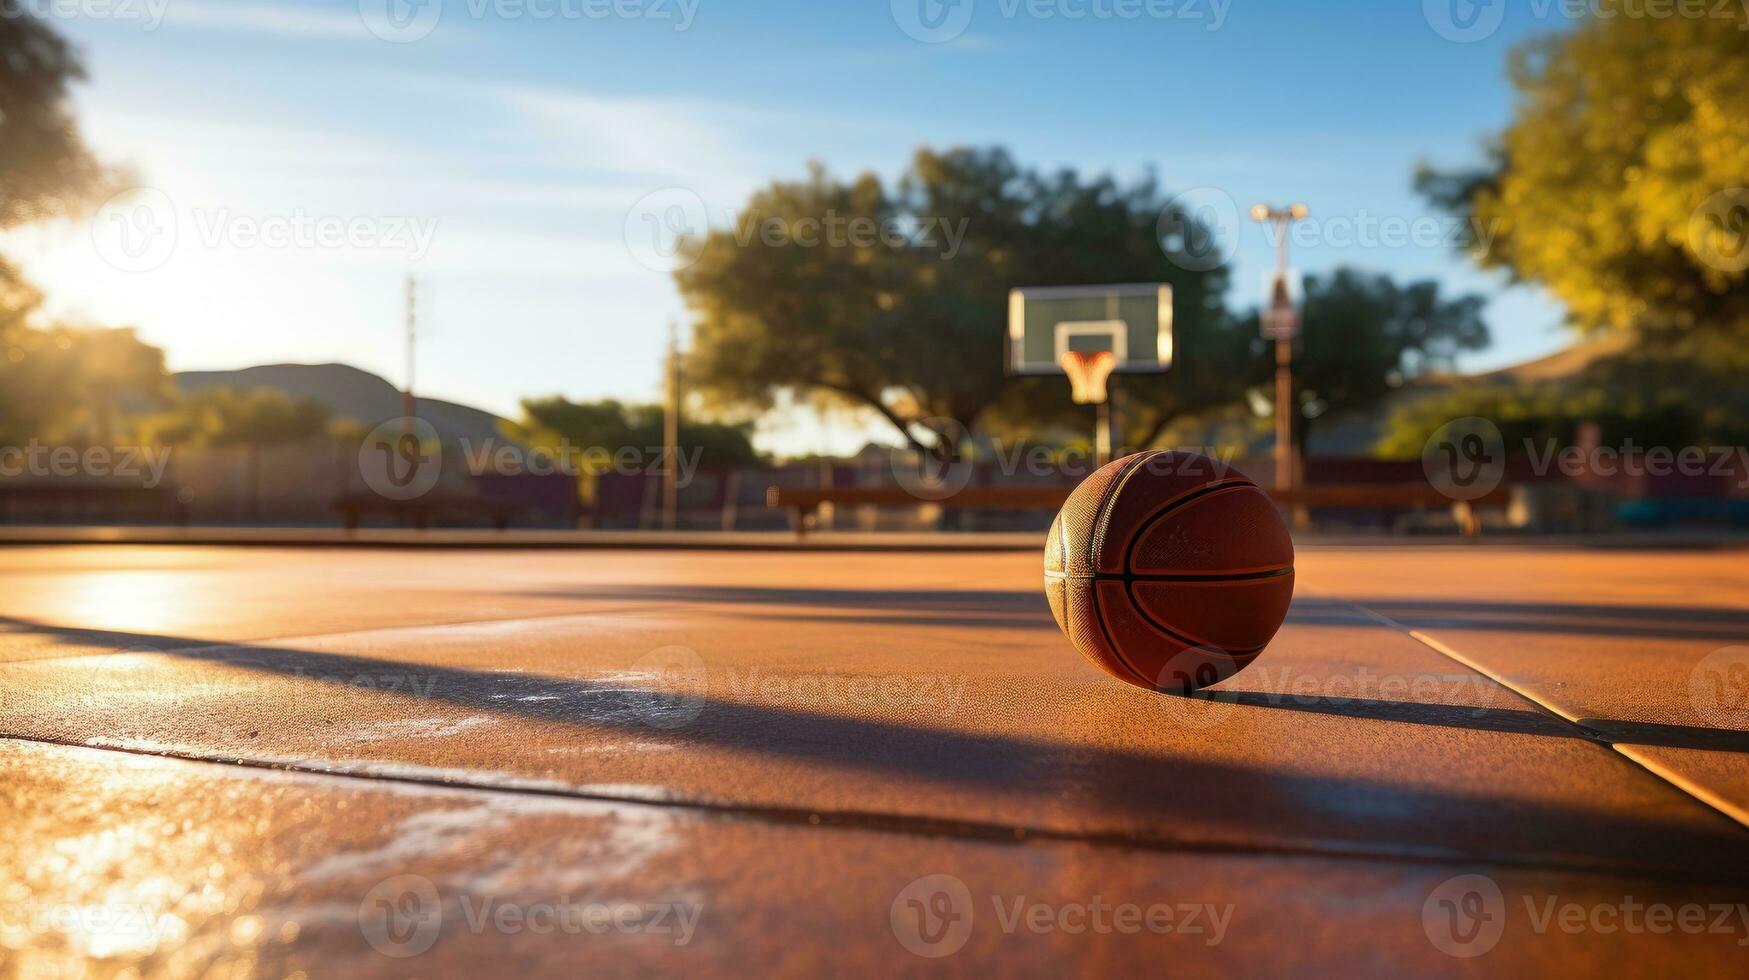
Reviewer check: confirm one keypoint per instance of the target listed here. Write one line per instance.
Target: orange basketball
(1169, 570)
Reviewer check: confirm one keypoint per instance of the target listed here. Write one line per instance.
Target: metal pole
(1284, 416)
(1286, 467)
(1102, 433)
(671, 434)
(407, 403)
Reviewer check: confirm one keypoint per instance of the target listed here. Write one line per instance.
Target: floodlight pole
(671, 432)
(1102, 432)
(1286, 462)
(408, 405)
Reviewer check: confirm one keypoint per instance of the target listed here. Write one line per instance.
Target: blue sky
(499, 155)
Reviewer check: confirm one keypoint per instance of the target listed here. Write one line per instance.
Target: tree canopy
(1363, 336)
(908, 322)
(46, 170)
(254, 417)
(614, 425)
(1621, 183)
(76, 386)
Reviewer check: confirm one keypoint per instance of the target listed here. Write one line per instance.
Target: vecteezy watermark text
(834, 230)
(149, 13)
(1466, 916)
(403, 916)
(489, 456)
(939, 21)
(934, 916)
(1468, 21)
(1629, 459)
(146, 463)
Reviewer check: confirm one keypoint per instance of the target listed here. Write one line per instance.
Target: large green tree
(1622, 184)
(909, 325)
(75, 386)
(46, 170)
(613, 425)
(1362, 337)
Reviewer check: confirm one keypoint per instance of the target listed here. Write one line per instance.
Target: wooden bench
(1394, 496)
(804, 503)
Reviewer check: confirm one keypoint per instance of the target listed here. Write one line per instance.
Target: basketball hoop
(1088, 371)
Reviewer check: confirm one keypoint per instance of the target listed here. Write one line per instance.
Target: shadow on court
(1263, 805)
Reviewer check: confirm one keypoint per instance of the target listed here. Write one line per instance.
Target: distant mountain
(348, 392)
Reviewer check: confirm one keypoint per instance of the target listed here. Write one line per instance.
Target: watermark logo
(1718, 687)
(140, 230)
(136, 230)
(149, 13)
(932, 916)
(1465, 459)
(147, 464)
(1198, 230)
(1718, 231)
(935, 476)
(1464, 21)
(401, 459)
(1465, 916)
(677, 687)
(1185, 679)
(933, 21)
(834, 230)
(489, 456)
(401, 916)
(401, 21)
(665, 230)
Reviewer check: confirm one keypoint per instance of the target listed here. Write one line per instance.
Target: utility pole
(671, 433)
(407, 404)
(1281, 321)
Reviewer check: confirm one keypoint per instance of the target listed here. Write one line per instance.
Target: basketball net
(1088, 371)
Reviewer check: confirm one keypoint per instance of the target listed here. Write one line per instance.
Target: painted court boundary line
(1681, 783)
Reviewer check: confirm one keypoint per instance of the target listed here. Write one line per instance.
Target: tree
(18, 300)
(254, 418)
(1363, 336)
(907, 322)
(612, 425)
(1621, 183)
(46, 170)
(1631, 399)
(73, 385)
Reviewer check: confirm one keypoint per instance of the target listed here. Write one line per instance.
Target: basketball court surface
(392, 762)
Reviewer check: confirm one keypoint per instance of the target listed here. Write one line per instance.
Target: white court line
(1657, 770)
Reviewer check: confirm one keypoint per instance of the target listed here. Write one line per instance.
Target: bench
(804, 503)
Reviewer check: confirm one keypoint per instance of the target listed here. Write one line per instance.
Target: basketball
(1169, 570)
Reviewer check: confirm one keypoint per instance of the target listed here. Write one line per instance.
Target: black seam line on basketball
(1111, 642)
(939, 827)
(1142, 611)
(1101, 519)
(1681, 784)
(1179, 503)
(1095, 539)
(1174, 576)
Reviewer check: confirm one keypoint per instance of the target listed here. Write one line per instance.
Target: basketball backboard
(1133, 321)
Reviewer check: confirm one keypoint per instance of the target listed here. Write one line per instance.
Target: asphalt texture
(394, 762)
